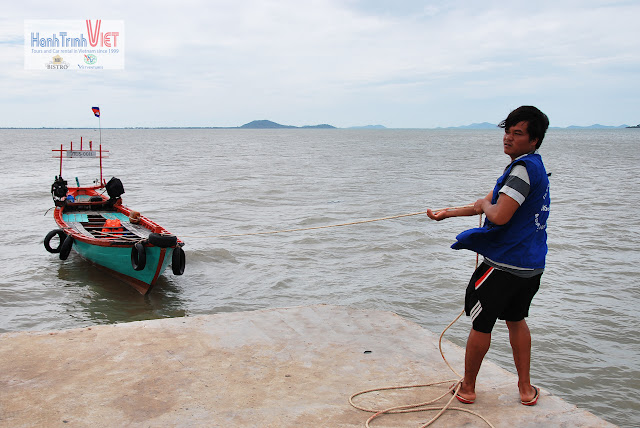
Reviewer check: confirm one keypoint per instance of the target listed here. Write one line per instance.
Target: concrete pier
(293, 367)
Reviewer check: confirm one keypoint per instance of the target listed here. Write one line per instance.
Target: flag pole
(96, 112)
(100, 128)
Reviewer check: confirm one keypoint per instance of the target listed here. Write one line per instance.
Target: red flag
(96, 111)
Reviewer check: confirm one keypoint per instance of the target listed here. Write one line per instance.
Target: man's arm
(458, 212)
(512, 195)
(500, 212)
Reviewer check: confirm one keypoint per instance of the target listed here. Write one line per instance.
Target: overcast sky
(402, 64)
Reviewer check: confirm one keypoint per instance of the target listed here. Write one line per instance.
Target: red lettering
(107, 38)
(93, 36)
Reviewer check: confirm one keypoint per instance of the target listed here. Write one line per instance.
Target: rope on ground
(272, 232)
(419, 407)
(422, 407)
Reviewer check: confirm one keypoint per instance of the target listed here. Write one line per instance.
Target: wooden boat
(104, 231)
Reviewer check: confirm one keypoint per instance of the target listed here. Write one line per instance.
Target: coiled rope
(424, 406)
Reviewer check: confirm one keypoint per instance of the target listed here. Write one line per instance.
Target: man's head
(537, 121)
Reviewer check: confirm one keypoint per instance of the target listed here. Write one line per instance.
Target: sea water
(203, 184)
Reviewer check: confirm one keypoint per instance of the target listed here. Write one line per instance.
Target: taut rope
(271, 232)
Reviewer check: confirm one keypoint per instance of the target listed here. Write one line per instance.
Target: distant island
(368, 127)
(597, 126)
(267, 124)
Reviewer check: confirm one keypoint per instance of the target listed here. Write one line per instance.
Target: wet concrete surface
(289, 367)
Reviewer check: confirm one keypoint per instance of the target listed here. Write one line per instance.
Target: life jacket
(112, 225)
(522, 241)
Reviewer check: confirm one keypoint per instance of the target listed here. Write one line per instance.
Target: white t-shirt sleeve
(517, 185)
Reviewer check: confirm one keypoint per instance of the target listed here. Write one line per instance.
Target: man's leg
(477, 346)
(520, 338)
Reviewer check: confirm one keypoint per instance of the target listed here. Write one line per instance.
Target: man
(513, 242)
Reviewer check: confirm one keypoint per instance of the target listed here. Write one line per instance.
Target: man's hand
(438, 215)
(480, 205)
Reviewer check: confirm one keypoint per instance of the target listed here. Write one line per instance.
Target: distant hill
(267, 124)
(321, 126)
(368, 127)
(483, 125)
(596, 126)
(263, 124)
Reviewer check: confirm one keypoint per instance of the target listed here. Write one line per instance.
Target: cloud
(226, 63)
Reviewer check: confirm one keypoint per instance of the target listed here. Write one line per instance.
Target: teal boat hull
(118, 261)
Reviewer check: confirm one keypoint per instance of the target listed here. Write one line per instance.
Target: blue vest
(522, 241)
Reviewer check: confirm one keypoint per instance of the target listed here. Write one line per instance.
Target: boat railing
(82, 153)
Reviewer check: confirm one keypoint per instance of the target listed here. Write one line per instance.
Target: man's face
(516, 140)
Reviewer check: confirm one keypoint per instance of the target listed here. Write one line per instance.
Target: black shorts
(493, 294)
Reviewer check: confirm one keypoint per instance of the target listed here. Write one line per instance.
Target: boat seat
(75, 217)
(136, 229)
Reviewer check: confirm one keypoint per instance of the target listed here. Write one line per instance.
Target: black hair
(537, 122)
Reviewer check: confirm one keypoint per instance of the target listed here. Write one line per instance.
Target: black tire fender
(65, 248)
(50, 235)
(163, 240)
(178, 261)
(138, 256)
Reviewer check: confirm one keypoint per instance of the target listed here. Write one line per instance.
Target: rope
(116, 237)
(422, 407)
(272, 232)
